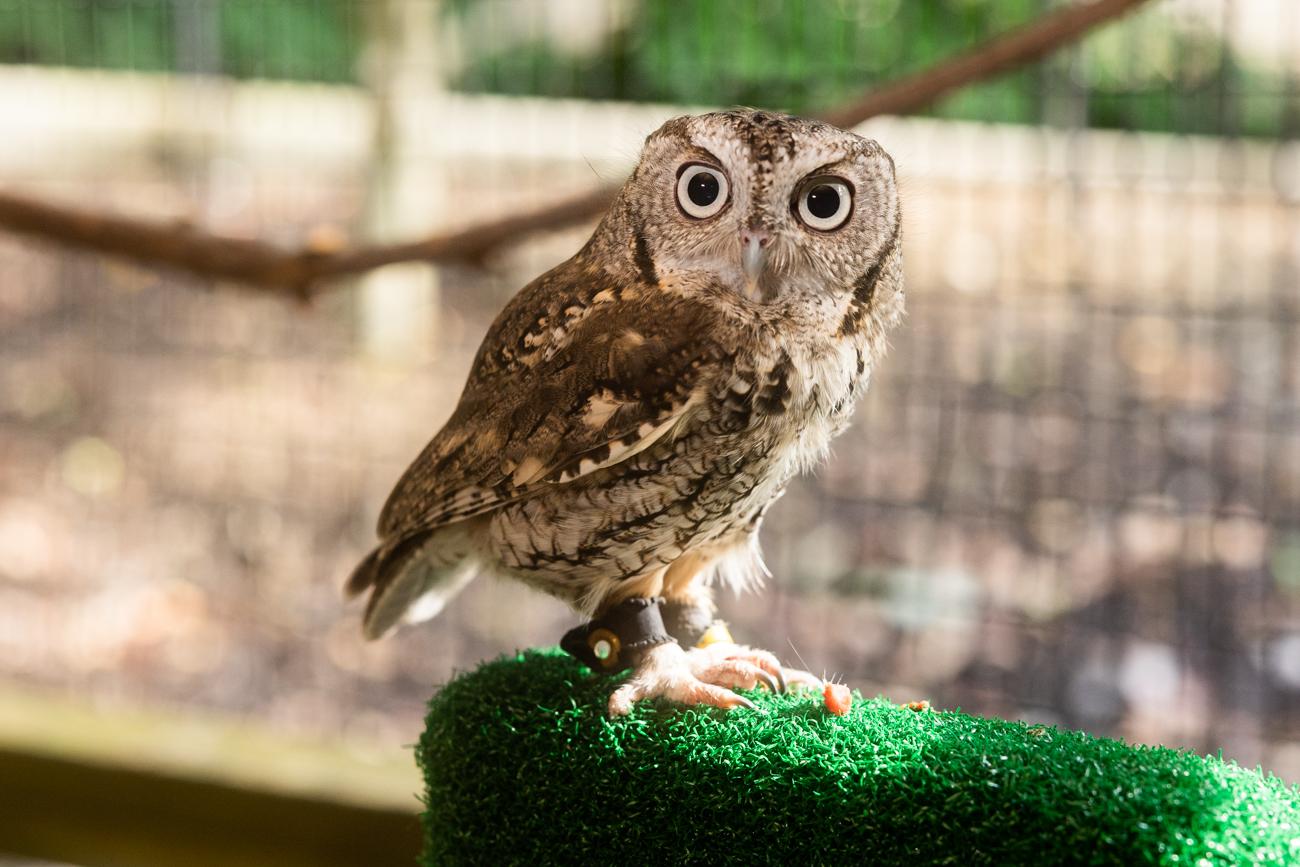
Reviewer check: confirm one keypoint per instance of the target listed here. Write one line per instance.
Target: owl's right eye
(701, 190)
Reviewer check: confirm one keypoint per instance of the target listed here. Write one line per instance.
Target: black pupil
(703, 189)
(823, 201)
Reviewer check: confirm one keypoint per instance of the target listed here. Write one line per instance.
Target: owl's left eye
(701, 190)
(824, 204)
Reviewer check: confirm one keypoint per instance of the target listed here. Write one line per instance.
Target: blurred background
(1072, 495)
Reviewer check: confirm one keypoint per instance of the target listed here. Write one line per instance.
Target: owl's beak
(753, 256)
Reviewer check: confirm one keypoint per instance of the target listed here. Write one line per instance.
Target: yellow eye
(701, 191)
(825, 204)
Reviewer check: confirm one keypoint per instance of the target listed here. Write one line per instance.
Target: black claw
(746, 703)
(780, 679)
(768, 681)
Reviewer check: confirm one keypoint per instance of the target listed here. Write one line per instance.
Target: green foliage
(802, 55)
(306, 41)
(1149, 72)
(122, 35)
(311, 40)
(522, 766)
(795, 55)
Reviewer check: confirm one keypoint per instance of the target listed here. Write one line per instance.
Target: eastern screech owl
(633, 412)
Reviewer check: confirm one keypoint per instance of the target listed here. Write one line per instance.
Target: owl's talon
(770, 682)
(770, 664)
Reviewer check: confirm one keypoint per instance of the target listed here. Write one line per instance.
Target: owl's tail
(412, 579)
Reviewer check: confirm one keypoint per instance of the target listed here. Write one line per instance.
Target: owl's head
(772, 205)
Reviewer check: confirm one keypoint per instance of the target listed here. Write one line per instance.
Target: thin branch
(1014, 49)
(268, 267)
(474, 243)
(175, 244)
(258, 264)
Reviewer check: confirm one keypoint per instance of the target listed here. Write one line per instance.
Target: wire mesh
(1072, 494)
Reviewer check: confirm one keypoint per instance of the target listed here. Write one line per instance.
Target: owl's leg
(688, 613)
(632, 632)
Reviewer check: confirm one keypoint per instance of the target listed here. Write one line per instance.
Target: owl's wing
(621, 380)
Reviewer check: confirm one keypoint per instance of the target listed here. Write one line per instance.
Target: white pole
(399, 304)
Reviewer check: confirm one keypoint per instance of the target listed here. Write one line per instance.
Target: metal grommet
(605, 646)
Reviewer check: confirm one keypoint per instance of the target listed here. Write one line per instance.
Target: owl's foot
(705, 675)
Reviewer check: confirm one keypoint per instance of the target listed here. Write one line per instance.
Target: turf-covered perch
(523, 766)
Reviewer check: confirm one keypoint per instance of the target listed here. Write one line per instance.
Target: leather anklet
(618, 638)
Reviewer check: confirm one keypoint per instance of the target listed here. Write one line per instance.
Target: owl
(632, 413)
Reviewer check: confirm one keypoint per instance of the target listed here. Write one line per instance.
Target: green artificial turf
(523, 766)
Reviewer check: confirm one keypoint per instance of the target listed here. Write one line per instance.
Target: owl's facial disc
(775, 208)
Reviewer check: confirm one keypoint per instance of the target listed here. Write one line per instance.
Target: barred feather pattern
(633, 413)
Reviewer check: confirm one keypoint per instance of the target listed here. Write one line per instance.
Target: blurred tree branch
(262, 265)
(268, 267)
(1019, 47)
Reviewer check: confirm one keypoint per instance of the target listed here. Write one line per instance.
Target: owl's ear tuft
(677, 127)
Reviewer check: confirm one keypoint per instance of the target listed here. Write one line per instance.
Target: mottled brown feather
(632, 413)
(541, 414)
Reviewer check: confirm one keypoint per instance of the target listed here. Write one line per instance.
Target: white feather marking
(476, 500)
(435, 598)
(630, 339)
(647, 433)
(530, 469)
(599, 410)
